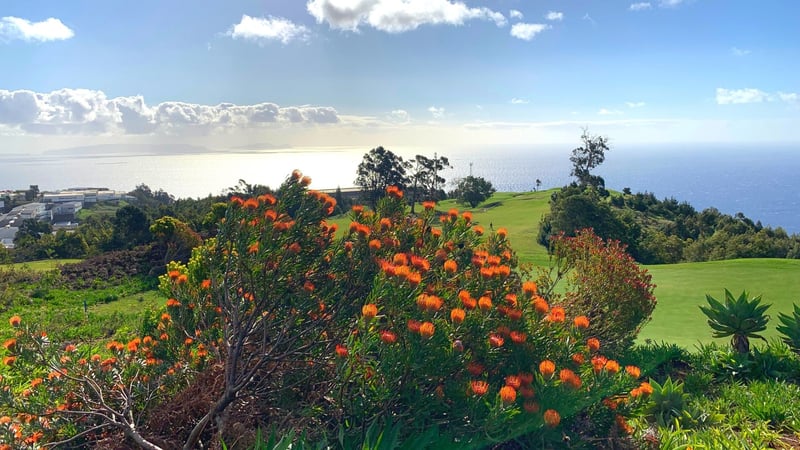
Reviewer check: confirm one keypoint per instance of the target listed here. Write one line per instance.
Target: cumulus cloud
(634, 104)
(437, 113)
(400, 116)
(789, 97)
(262, 30)
(84, 111)
(739, 51)
(554, 15)
(394, 16)
(641, 6)
(609, 112)
(515, 14)
(740, 96)
(52, 29)
(519, 101)
(527, 31)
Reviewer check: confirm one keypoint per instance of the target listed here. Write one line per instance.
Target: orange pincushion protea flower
(485, 303)
(15, 321)
(341, 351)
(479, 387)
(450, 266)
(529, 287)
(518, 337)
(527, 392)
(428, 206)
(513, 381)
(557, 314)
(457, 315)
(495, 340)
(531, 407)
(633, 371)
(581, 322)
(552, 418)
(375, 244)
(475, 368)
(369, 311)
(540, 305)
(578, 358)
(598, 363)
(508, 394)
(612, 366)
(426, 330)
(414, 325)
(593, 344)
(502, 232)
(10, 344)
(547, 368)
(570, 378)
(388, 337)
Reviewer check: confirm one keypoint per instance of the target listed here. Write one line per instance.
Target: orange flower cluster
(508, 395)
(581, 322)
(644, 390)
(15, 321)
(593, 344)
(552, 418)
(633, 371)
(369, 311)
(547, 368)
(429, 303)
(557, 315)
(479, 387)
(388, 337)
(394, 192)
(426, 330)
(457, 315)
(570, 378)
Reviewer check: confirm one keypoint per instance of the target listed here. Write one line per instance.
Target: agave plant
(790, 328)
(740, 318)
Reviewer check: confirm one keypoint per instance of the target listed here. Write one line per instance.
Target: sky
(298, 73)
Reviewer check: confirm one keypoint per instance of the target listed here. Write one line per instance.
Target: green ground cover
(46, 264)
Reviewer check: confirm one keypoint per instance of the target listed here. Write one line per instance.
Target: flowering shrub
(451, 336)
(605, 284)
(423, 321)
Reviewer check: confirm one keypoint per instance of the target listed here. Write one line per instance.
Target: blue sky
(404, 72)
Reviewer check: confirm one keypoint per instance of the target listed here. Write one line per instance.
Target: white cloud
(527, 31)
(669, 3)
(397, 16)
(609, 112)
(400, 116)
(437, 113)
(90, 112)
(515, 14)
(789, 97)
(634, 104)
(554, 15)
(262, 30)
(641, 6)
(51, 29)
(519, 101)
(739, 51)
(740, 96)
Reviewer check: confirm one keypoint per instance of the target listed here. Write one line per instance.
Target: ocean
(762, 182)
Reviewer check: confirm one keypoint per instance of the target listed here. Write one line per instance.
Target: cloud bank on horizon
(380, 65)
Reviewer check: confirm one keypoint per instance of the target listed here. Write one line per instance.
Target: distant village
(59, 208)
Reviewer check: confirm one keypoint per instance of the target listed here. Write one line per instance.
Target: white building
(7, 235)
(36, 211)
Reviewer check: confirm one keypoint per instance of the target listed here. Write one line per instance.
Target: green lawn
(681, 288)
(45, 264)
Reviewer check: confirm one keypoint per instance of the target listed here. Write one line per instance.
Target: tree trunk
(194, 436)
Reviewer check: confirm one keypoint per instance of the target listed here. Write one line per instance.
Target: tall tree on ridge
(379, 169)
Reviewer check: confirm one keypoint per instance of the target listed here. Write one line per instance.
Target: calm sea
(761, 182)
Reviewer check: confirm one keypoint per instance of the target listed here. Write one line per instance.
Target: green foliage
(472, 191)
(790, 328)
(741, 318)
(667, 402)
(587, 157)
(605, 284)
(379, 169)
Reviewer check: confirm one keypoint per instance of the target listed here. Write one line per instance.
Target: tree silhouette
(379, 169)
